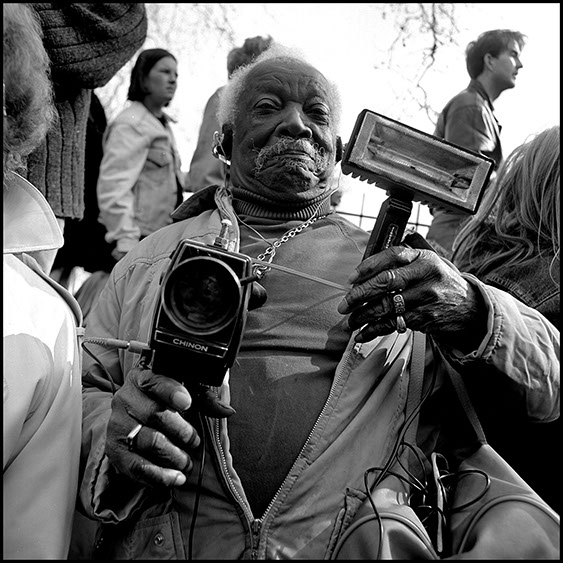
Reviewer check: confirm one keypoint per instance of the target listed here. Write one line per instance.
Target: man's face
(506, 66)
(284, 139)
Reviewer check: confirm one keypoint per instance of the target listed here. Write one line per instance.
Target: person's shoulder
(217, 92)
(213, 102)
(135, 110)
(468, 97)
(135, 115)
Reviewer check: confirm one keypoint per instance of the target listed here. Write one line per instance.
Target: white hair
(229, 97)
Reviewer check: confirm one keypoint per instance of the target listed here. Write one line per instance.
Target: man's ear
(339, 150)
(488, 60)
(223, 144)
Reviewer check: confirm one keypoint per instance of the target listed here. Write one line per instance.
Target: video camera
(201, 313)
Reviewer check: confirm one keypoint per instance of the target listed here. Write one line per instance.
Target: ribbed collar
(249, 203)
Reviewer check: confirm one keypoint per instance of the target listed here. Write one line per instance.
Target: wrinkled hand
(438, 301)
(160, 455)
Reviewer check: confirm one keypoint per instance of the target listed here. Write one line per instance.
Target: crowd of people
(111, 454)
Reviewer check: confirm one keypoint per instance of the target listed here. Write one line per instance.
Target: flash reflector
(395, 156)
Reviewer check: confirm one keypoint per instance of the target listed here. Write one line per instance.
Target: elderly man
(174, 474)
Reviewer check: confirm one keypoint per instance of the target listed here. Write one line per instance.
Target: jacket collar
(200, 201)
(474, 84)
(143, 109)
(30, 225)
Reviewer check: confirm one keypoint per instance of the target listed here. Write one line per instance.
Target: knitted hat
(145, 61)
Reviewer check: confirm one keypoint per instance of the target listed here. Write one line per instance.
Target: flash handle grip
(390, 225)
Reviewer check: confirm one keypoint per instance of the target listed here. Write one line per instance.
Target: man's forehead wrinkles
(302, 86)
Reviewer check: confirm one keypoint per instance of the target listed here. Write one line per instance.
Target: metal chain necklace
(268, 255)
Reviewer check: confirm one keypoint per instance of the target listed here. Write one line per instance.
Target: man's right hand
(159, 452)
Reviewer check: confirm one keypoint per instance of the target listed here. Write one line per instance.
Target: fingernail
(228, 408)
(353, 277)
(181, 401)
(342, 307)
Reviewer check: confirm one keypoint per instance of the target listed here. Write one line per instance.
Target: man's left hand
(437, 299)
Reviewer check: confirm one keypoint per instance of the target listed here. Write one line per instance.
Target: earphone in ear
(227, 141)
(223, 145)
(339, 150)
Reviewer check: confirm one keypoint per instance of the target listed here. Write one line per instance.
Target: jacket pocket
(352, 502)
(154, 538)
(160, 156)
(156, 190)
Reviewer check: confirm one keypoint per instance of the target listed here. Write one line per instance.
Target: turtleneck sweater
(246, 202)
(292, 343)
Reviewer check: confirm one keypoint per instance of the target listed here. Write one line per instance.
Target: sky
(347, 40)
(340, 39)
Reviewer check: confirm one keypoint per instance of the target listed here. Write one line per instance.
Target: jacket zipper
(255, 524)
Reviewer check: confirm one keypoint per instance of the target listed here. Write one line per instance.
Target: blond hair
(28, 93)
(519, 219)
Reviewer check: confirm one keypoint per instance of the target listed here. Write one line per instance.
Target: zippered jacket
(356, 429)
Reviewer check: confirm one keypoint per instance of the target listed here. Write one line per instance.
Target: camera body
(201, 313)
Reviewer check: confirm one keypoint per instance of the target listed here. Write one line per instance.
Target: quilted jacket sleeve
(517, 366)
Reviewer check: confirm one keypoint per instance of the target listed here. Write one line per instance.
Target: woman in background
(140, 181)
(513, 242)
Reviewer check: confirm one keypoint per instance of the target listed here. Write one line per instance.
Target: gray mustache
(288, 144)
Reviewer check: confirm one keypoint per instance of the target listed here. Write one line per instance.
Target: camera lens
(202, 295)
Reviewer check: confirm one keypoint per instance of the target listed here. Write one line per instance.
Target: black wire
(417, 486)
(376, 514)
(393, 458)
(419, 457)
(409, 420)
(465, 473)
(199, 482)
